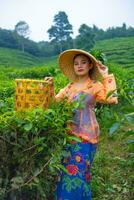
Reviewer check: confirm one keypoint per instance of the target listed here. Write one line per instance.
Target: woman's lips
(80, 70)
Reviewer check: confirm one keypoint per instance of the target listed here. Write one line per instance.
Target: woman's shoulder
(95, 83)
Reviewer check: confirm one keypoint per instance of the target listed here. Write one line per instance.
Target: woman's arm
(62, 94)
(107, 91)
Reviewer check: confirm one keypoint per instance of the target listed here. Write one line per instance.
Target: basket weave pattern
(33, 93)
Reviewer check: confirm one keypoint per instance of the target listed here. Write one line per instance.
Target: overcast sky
(39, 14)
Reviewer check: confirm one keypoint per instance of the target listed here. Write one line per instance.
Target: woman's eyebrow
(81, 60)
(84, 60)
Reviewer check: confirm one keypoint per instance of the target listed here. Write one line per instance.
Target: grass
(16, 58)
(112, 169)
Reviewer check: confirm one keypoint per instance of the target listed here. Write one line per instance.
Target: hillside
(118, 50)
(16, 58)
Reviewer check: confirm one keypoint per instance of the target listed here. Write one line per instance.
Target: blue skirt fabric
(74, 183)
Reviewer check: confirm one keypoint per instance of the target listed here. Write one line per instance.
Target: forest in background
(60, 37)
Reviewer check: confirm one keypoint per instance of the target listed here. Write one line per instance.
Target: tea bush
(32, 146)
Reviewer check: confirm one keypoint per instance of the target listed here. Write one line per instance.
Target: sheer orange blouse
(85, 125)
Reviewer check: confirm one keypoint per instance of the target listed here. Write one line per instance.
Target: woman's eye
(84, 62)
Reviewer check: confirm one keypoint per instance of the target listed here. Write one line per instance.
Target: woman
(90, 83)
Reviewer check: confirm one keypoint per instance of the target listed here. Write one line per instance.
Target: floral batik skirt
(74, 183)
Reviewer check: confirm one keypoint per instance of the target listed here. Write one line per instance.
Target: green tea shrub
(7, 89)
(32, 147)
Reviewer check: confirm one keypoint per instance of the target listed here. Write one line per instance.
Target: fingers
(102, 68)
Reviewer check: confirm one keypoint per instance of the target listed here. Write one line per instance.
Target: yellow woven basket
(33, 93)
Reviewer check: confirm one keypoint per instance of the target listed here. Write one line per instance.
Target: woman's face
(82, 65)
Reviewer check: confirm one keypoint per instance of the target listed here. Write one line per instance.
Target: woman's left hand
(102, 69)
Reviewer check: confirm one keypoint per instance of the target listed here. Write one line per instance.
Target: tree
(61, 30)
(86, 38)
(7, 39)
(23, 30)
(99, 33)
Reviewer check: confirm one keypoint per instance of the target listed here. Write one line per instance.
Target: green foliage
(16, 58)
(118, 50)
(11, 39)
(86, 38)
(7, 39)
(99, 55)
(48, 49)
(113, 32)
(32, 149)
(60, 81)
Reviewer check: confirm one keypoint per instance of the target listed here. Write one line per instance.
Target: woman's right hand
(102, 69)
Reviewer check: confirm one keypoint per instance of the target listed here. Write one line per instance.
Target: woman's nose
(79, 65)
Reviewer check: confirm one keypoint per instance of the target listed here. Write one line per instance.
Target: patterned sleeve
(62, 93)
(106, 90)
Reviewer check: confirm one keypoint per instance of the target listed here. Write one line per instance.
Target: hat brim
(66, 59)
